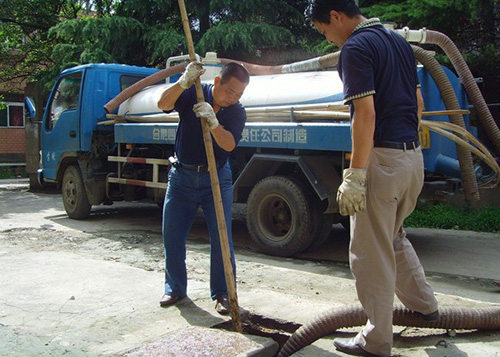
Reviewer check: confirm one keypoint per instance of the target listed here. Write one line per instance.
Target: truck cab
(71, 138)
(68, 125)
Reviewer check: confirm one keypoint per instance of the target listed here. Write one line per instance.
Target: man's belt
(396, 145)
(198, 168)
(193, 167)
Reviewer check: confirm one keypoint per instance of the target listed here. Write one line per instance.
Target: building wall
(12, 138)
(12, 141)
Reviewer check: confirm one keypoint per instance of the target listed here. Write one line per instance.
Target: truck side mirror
(29, 104)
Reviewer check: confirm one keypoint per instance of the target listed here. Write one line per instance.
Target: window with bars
(12, 115)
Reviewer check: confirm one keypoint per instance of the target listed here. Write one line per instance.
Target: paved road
(454, 260)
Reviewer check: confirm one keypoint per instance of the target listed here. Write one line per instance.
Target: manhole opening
(258, 325)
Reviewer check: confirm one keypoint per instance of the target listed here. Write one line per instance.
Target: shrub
(445, 216)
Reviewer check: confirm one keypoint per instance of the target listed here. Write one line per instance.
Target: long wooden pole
(212, 167)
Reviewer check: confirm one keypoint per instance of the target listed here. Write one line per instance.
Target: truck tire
(323, 230)
(321, 223)
(75, 199)
(279, 216)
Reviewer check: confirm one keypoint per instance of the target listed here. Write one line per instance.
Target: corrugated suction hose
(313, 64)
(475, 96)
(350, 316)
(451, 102)
(143, 83)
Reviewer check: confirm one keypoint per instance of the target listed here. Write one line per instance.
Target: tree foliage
(23, 36)
(39, 38)
(26, 49)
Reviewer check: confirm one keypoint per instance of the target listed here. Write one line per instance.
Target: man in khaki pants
(381, 186)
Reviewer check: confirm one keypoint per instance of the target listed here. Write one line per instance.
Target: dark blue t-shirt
(377, 61)
(189, 145)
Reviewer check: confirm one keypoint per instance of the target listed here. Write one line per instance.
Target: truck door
(61, 129)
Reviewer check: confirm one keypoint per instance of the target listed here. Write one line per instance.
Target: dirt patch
(138, 249)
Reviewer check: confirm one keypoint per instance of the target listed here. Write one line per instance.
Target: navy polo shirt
(377, 61)
(189, 145)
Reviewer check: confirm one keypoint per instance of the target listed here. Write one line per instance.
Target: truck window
(127, 81)
(66, 97)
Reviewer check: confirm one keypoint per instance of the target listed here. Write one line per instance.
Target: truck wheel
(74, 196)
(279, 216)
(322, 231)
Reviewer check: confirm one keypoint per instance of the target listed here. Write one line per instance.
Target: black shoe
(433, 316)
(347, 345)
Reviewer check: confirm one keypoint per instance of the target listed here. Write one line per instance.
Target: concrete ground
(91, 288)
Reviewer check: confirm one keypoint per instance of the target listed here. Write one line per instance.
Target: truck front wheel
(279, 216)
(75, 199)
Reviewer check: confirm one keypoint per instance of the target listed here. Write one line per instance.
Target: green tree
(152, 31)
(251, 29)
(25, 42)
(23, 36)
(240, 29)
(41, 37)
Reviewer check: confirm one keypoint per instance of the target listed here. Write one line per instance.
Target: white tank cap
(210, 55)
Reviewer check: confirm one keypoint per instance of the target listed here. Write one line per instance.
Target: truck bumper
(39, 177)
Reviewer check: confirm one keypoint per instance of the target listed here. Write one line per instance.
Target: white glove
(191, 74)
(205, 111)
(351, 195)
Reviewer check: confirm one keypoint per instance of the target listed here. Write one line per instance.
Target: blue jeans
(186, 191)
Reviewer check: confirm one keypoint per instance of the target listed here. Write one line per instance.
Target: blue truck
(287, 167)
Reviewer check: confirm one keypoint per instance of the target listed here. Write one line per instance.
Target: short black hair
(319, 10)
(236, 70)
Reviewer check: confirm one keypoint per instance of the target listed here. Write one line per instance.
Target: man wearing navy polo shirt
(380, 188)
(189, 184)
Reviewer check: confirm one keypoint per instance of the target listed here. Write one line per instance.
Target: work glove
(205, 111)
(191, 74)
(351, 195)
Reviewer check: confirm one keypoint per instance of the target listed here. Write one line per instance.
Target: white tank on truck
(289, 89)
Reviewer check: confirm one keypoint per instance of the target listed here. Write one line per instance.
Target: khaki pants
(382, 259)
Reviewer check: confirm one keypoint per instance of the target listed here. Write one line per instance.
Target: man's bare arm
(223, 138)
(363, 128)
(169, 97)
